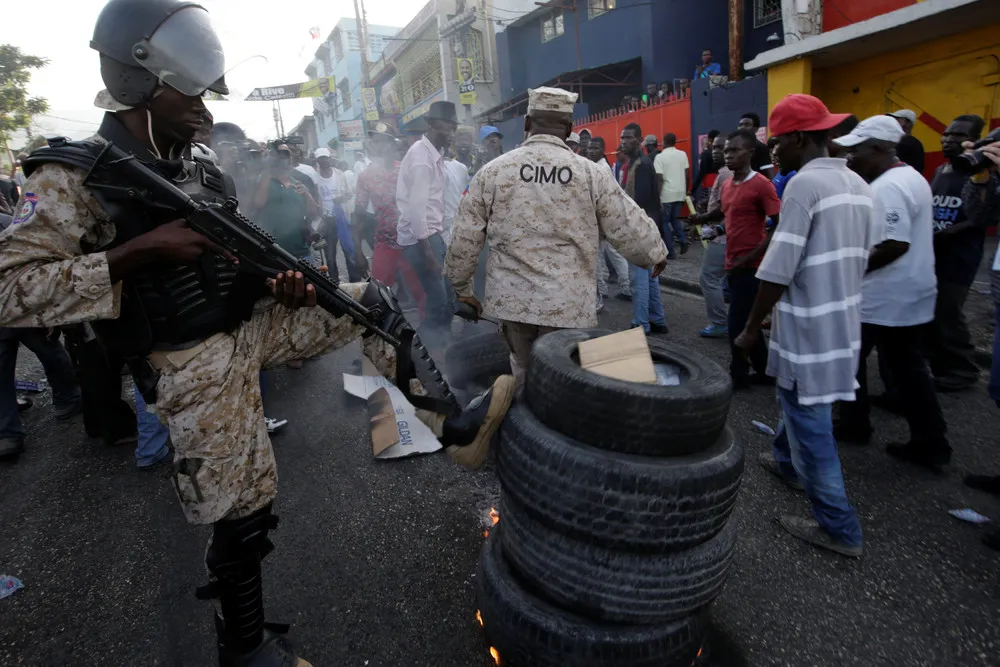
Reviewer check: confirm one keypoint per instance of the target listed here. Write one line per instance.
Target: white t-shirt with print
(903, 293)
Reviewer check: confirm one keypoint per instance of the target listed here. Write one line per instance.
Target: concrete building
(940, 58)
(424, 64)
(606, 50)
(340, 111)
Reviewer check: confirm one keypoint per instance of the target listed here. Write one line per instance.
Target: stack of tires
(614, 530)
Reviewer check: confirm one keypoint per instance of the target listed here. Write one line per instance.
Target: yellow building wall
(942, 78)
(788, 78)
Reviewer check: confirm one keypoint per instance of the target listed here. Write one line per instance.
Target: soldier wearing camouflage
(543, 211)
(71, 256)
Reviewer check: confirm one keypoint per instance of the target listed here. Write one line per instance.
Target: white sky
(276, 29)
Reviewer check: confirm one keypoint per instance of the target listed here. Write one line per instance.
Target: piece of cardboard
(623, 356)
(396, 430)
(385, 432)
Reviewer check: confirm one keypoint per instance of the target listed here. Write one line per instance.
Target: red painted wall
(840, 13)
(658, 119)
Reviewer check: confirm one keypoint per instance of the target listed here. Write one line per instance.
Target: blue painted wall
(721, 108)
(668, 35)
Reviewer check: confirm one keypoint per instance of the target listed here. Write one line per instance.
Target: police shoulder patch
(27, 209)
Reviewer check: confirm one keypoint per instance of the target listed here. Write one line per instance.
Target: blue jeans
(646, 304)
(671, 224)
(58, 370)
(153, 434)
(806, 450)
(440, 297)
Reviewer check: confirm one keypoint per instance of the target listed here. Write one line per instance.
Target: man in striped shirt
(811, 277)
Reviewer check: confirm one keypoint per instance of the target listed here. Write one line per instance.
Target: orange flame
(486, 533)
(479, 617)
(494, 516)
(495, 654)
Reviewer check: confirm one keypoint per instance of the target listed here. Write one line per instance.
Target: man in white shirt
(456, 180)
(334, 195)
(898, 292)
(606, 254)
(420, 198)
(672, 169)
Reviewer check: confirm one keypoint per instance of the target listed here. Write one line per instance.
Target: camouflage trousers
(223, 462)
(520, 337)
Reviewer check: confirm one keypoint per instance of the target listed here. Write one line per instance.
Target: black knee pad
(239, 540)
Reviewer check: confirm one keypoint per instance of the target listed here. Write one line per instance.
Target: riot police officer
(195, 329)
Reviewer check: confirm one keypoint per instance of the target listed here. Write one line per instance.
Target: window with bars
(344, 88)
(552, 26)
(338, 46)
(598, 7)
(765, 12)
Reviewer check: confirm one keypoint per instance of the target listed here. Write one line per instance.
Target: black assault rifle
(118, 174)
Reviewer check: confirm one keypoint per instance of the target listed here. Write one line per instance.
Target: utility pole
(362, 30)
(735, 40)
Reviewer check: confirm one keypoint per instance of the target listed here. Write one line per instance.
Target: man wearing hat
(909, 149)
(811, 278)
(491, 141)
(543, 211)
(420, 198)
(574, 142)
(651, 146)
(898, 293)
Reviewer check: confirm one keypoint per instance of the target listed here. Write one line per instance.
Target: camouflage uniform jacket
(50, 274)
(544, 210)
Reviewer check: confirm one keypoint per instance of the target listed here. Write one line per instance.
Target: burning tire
(529, 632)
(613, 585)
(621, 501)
(622, 416)
(478, 359)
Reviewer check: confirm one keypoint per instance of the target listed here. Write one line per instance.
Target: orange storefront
(657, 119)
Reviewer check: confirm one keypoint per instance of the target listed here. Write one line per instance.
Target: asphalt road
(375, 561)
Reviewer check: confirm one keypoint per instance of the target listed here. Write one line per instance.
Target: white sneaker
(274, 425)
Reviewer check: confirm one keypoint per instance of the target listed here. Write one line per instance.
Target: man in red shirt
(377, 185)
(748, 199)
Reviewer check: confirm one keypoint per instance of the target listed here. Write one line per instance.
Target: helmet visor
(185, 53)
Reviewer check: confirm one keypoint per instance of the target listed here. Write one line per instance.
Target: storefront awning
(888, 32)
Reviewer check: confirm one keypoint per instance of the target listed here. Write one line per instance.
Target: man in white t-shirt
(456, 180)
(898, 292)
(672, 169)
(334, 194)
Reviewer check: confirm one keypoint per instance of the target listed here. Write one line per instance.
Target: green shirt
(284, 218)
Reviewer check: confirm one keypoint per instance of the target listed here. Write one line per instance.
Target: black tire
(529, 632)
(478, 359)
(622, 416)
(621, 501)
(613, 585)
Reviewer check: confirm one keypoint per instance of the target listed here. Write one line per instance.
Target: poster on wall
(370, 103)
(466, 80)
(352, 134)
(389, 99)
(316, 88)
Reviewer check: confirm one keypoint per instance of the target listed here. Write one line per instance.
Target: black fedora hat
(442, 111)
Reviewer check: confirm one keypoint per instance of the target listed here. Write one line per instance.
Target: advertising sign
(315, 88)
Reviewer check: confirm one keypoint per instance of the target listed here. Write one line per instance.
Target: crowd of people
(889, 270)
(844, 257)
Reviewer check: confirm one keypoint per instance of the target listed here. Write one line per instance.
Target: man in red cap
(811, 278)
